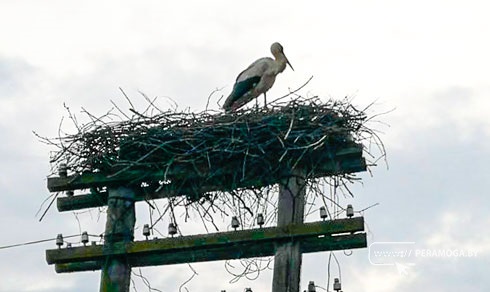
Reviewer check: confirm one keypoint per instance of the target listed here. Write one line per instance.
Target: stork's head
(277, 48)
(278, 53)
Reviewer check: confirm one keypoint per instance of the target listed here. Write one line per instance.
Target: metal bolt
(234, 222)
(336, 284)
(311, 286)
(146, 230)
(172, 229)
(59, 240)
(260, 219)
(85, 238)
(323, 212)
(349, 211)
(62, 170)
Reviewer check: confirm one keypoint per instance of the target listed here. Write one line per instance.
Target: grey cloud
(455, 95)
(14, 75)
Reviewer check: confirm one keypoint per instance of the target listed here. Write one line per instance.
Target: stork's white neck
(280, 61)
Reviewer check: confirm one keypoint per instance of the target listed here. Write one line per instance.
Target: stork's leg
(257, 103)
(265, 100)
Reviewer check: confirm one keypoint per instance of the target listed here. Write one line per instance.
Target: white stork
(257, 79)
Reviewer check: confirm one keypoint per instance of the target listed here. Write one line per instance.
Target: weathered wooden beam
(226, 252)
(308, 245)
(317, 236)
(347, 165)
(78, 267)
(90, 200)
(345, 160)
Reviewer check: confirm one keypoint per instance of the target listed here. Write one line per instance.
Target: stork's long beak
(287, 61)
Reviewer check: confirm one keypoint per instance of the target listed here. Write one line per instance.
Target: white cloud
(460, 230)
(429, 59)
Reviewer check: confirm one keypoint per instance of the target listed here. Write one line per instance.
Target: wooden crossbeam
(313, 237)
(348, 161)
(308, 245)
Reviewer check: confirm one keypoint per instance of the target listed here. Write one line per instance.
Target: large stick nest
(196, 152)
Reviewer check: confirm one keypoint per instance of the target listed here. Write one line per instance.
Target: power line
(39, 241)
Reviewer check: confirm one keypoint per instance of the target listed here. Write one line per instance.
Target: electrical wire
(36, 242)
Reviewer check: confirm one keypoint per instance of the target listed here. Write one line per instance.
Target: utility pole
(286, 242)
(116, 271)
(287, 260)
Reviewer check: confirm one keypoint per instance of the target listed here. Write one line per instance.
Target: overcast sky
(428, 60)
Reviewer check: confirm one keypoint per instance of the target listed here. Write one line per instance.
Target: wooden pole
(287, 260)
(116, 272)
